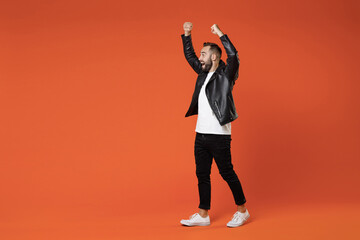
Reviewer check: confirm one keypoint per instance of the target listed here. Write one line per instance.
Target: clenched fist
(216, 30)
(187, 28)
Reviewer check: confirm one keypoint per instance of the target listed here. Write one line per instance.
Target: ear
(213, 57)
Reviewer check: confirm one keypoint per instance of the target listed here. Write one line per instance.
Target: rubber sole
(194, 224)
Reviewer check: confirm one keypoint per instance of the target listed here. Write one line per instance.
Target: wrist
(220, 34)
(187, 33)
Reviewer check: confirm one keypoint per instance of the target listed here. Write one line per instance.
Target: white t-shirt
(207, 122)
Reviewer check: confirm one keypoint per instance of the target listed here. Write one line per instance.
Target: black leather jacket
(219, 88)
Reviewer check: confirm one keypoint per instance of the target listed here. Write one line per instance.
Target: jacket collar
(221, 66)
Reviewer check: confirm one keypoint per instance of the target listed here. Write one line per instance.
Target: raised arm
(232, 61)
(189, 49)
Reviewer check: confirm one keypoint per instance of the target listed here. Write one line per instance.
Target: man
(213, 102)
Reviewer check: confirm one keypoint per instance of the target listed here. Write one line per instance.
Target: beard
(207, 66)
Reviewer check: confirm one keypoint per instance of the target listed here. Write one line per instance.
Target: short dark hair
(214, 48)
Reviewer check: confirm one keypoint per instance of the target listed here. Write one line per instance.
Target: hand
(216, 30)
(187, 28)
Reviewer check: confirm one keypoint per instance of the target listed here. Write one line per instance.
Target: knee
(203, 176)
(229, 175)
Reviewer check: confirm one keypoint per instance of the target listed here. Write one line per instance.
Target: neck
(214, 67)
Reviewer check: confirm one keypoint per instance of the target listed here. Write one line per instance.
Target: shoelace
(237, 216)
(192, 216)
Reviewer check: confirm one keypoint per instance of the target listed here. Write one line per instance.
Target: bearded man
(213, 102)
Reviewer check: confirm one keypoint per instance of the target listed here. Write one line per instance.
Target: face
(205, 59)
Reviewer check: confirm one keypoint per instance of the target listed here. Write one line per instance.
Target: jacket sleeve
(232, 61)
(190, 53)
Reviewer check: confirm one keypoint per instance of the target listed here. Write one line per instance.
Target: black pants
(207, 147)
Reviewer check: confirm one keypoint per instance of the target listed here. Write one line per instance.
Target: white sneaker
(196, 220)
(238, 219)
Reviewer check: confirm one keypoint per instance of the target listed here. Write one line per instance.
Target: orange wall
(93, 96)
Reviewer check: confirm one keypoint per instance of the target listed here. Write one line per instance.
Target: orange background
(94, 143)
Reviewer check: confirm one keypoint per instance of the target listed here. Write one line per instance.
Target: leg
(241, 208)
(222, 154)
(203, 159)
